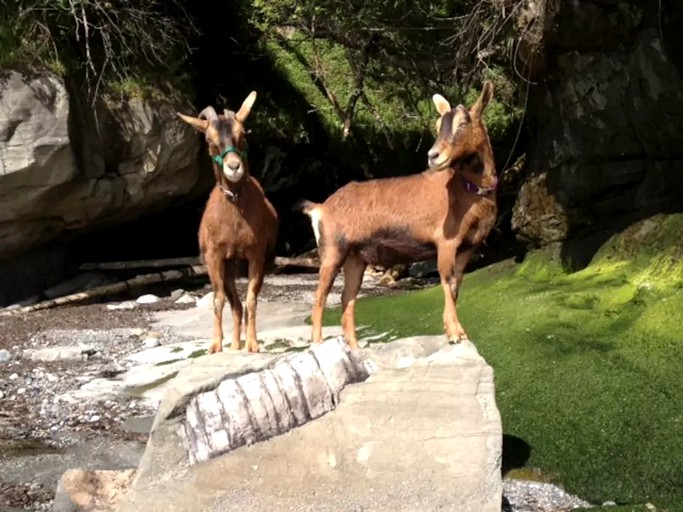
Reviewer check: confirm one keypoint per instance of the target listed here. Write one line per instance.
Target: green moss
(587, 365)
(170, 361)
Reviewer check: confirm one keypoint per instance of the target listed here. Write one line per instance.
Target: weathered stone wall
(64, 170)
(61, 170)
(605, 117)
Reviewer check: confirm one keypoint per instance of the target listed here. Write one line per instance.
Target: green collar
(230, 149)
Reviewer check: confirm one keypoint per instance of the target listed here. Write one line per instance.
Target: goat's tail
(305, 206)
(313, 211)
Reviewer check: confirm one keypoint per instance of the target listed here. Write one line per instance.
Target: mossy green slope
(587, 365)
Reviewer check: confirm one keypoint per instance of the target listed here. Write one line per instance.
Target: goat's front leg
(255, 283)
(353, 278)
(235, 303)
(329, 268)
(215, 266)
(451, 268)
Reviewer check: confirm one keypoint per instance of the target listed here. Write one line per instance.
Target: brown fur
(412, 218)
(234, 227)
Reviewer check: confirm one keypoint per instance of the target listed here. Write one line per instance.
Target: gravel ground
(34, 418)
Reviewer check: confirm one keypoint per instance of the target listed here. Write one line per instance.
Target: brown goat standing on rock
(443, 212)
(238, 222)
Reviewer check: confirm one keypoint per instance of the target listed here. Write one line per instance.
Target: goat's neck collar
(231, 193)
(476, 189)
(232, 196)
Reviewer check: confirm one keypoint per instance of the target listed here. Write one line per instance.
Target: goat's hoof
(254, 349)
(235, 346)
(214, 349)
(458, 339)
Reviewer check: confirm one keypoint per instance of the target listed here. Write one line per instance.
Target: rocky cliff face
(605, 117)
(61, 171)
(64, 170)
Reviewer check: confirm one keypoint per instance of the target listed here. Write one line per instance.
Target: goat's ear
(199, 124)
(442, 105)
(244, 110)
(484, 99)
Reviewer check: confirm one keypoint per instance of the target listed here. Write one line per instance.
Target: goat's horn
(199, 124)
(209, 114)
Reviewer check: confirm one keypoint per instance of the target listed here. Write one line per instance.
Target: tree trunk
(110, 289)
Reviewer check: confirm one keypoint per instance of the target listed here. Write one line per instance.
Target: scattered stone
(530, 496)
(422, 269)
(206, 301)
(14, 376)
(151, 342)
(64, 353)
(186, 299)
(2, 395)
(5, 356)
(609, 503)
(128, 304)
(148, 298)
(91, 490)
(176, 294)
(21, 391)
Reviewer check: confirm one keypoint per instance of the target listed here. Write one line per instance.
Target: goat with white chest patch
(445, 212)
(238, 222)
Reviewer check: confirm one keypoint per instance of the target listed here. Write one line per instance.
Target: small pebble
(147, 299)
(151, 342)
(129, 304)
(176, 294)
(21, 391)
(5, 356)
(14, 376)
(2, 395)
(95, 418)
(186, 299)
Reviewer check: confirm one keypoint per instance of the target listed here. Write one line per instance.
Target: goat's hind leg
(235, 304)
(353, 278)
(329, 268)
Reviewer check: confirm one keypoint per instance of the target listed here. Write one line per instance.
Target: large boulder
(63, 168)
(421, 433)
(605, 118)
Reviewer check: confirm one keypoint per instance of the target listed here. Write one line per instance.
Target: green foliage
(369, 70)
(587, 365)
(99, 41)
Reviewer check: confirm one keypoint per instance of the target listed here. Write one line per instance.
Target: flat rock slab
(422, 433)
(64, 353)
(197, 322)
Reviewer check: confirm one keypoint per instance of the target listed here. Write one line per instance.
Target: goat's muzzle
(437, 157)
(233, 170)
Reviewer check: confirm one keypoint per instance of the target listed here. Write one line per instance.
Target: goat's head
(225, 136)
(460, 131)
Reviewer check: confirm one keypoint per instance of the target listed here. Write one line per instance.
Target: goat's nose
(234, 164)
(433, 154)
